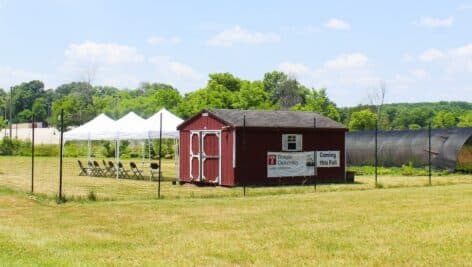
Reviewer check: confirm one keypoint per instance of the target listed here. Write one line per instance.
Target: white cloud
(465, 7)
(10, 76)
(158, 40)
(436, 22)
(343, 76)
(419, 74)
(347, 61)
(406, 58)
(102, 63)
(464, 51)
(455, 60)
(431, 55)
(296, 69)
(337, 24)
(309, 29)
(172, 71)
(237, 34)
(102, 53)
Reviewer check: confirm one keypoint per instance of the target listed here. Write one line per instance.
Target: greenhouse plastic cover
(397, 148)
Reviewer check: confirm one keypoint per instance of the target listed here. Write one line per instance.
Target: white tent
(130, 127)
(96, 129)
(169, 124)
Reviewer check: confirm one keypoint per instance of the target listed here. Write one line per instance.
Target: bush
(405, 170)
(9, 146)
(91, 196)
(408, 170)
(47, 150)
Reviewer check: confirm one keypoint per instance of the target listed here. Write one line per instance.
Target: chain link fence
(30, 161)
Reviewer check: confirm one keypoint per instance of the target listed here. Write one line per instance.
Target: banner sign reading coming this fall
(327, 159)
(290, 164)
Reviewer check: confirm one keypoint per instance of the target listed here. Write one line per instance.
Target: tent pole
(89, 156)
(117, 157)
(142, 154)
(149, 158)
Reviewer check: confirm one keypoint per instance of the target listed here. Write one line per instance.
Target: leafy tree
(23, 97)
(417, 115)
(444, 119)
(82, 90)
(25, 115)
(318, 101)
(40, 109)
(252, 96)
(272, 81)
(227, 80)
(213, 96)
(3, 100)
(150, 88)
(76, 111)
(362, 120)
(465, 120)
(414, 127)
(289, 93)
(102, 91)
(166, 97)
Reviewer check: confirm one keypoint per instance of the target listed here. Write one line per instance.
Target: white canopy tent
(129, 127)
(96, 129)
(169, 124)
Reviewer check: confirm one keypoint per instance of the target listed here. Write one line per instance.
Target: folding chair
(154, 170)
(99, 169)
(110, 171)
(112, 168)
(136, 172)
(83, 170)
(94, 171)
(123, 172)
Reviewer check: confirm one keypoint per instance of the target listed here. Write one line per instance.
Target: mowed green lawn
(422, 226)
(15, 173)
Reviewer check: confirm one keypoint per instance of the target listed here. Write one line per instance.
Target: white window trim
(299, 145)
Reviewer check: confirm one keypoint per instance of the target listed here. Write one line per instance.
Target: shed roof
(273, 119)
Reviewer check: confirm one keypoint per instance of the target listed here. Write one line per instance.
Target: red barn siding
(227, 170)
(251, 165)
(184, 156)
(211, 148)
(211, 145)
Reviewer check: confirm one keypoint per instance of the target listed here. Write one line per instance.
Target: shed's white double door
(205, 156)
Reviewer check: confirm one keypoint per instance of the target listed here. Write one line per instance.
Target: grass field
(420, 226)
(15, 173)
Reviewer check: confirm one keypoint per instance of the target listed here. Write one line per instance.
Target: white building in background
(23, 131)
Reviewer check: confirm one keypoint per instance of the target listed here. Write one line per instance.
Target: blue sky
(420, 50)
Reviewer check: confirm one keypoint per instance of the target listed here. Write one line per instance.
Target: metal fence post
(160, 160)
(376, 151)
(32, 153)
(429, 152)
(244, 153)
(314, 154)
(60, 155)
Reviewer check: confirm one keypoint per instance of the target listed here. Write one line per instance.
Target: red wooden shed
(251, 147)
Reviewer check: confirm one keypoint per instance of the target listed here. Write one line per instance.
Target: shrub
(91, 196)
(408, 170)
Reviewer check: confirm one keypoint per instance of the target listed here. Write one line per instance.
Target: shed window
(291, 142)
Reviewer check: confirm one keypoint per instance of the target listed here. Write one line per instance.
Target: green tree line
(275, 91)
